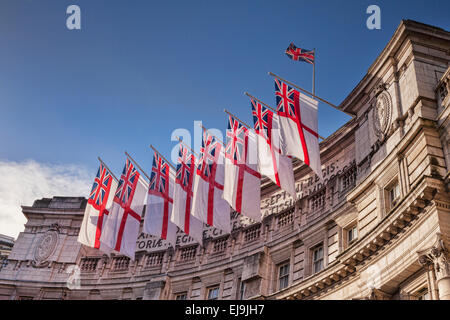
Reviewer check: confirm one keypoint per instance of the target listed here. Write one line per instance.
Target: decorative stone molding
(382, 114)
(45, 247)
(436, 260)
(377, 294)
(348, 262)
(438, 257)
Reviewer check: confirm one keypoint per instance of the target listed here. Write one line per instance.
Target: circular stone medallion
(382, 114)
(45, 247)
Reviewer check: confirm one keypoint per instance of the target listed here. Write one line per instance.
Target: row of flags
(203, 188)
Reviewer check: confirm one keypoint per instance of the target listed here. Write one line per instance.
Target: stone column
(436, 260)
(427, 263)
(442, 270)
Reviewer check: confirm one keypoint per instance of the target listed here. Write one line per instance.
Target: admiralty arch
(378, 227)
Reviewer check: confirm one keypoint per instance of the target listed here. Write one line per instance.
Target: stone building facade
(6, 245)
(378, 227)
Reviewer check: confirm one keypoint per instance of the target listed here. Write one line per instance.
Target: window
(317, 259)
(181, 296)
(213, 293)
(283, 276)
(352, 234)
(423, 294)
(393, 193)
(241, 290)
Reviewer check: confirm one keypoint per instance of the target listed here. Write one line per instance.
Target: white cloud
(24, 182)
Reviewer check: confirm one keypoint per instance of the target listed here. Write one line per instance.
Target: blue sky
(137, 70)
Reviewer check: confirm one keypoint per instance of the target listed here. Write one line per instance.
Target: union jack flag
(285, 98)
(102, 183)
(261, 118)
(185, 168)
(298, 54)
(236, 134)
(159, 178)
(127, 184)
(209, 153)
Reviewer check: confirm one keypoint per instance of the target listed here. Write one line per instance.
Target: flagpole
(181, 141)
(314, 73)
(252, 97)
(229, 113)
(137, 165)
(112, 174)
(171, 165)
(311, 94)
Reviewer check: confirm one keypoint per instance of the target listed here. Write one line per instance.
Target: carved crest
(382, 114)
(45, 248)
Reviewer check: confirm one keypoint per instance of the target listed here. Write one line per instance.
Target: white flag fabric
(271, 162)
(160, 201)
(182, 205)
(97, 209)
(209, 205)
(241, 175)
(299, 125)
(122, 226)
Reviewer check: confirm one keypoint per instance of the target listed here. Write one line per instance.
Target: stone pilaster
(436, 259)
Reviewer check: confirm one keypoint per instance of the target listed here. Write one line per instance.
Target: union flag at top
(298, 54)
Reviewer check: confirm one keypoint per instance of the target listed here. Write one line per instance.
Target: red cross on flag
(97, 209)
(298, 125)
(159, 202)
(241, 177)
(271, 162)
(122, 226)
(181, 212)
(208, 205)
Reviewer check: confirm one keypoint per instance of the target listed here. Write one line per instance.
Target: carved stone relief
(382, 115)
(45, 247)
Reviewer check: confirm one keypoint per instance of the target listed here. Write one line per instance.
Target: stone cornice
(404, 30)
(346, 263)
(398, 150)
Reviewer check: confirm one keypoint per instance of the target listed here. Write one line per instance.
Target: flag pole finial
(103, 162)
(311, 94)
(154, 149)
(137, 165)
(181, 141)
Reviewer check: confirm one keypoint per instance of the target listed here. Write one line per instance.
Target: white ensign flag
(122, 226)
